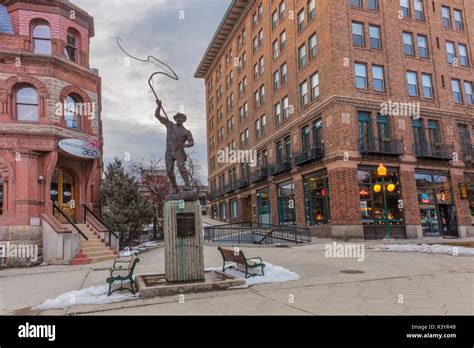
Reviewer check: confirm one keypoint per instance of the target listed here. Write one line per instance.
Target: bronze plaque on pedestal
(186, 224)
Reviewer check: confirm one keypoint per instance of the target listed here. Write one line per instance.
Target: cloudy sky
(176, 32)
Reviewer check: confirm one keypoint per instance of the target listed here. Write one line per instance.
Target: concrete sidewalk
(392, 283)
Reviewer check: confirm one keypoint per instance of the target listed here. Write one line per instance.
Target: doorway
(63, 193)
(447, 219)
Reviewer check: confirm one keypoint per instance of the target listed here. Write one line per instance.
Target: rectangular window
(423, 46)
(284, 74)
(274, 19)
(275, 49)
(313, 42)
(281, 10)
(468, 92)
(408, 44)
(316, 194)
(373, 5)
(286, 204)
(450, 50)
(364, 130)
(356, 3)
(305, 139)
(378, 78)
(314, 86)
(456, 87)
(286, 108)
(419, 15)
(261, 66)
(405, 8)
(374, 34)
(301, 20)
(361, 75)
(463, 59)
(446, 16)
(302, 56)
(412, 80)
(458, 20)
(260, 38)
(233, 209)
(311, 9)
(276, 80)
(257, 129)
(283, 41)
(358, 34)
(277, 113)
(427, 86)
(288, 153)
(304, 94)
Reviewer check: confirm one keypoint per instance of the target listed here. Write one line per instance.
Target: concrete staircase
(93, 250)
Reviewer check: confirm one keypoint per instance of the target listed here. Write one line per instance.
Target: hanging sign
(81, 148)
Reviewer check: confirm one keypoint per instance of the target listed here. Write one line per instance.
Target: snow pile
(92, 295)
(273, 274)
(425, 248)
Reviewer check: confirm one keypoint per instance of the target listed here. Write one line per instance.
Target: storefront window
(317, 199)
(233, 209)
(286, 203)
(223, 211)
(379, 206)
(263, 207)
(436, 204)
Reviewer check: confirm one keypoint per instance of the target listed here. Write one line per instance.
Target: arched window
(72, 46)
(73, 111)
(42, 38)
(27, 105)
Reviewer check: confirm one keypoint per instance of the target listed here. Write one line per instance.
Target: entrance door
(447, 220)
(63, 193)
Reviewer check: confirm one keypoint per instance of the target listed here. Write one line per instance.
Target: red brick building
(50, 125)
(320, 93)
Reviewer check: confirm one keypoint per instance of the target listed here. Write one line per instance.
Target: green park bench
(122, 274)
(239, 258)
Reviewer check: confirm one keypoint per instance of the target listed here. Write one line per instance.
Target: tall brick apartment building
(50, 126)
(326, 91)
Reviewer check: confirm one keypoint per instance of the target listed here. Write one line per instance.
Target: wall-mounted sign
(81, 148)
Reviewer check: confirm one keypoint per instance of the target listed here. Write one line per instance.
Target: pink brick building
(50, 126)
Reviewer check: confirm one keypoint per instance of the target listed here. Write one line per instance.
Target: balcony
(467, 154)
(243, 182)
(230, 188)
(280, 168)
(384, 147)
(259, 175)
(216, 194)
(308, 156)
(438, 151)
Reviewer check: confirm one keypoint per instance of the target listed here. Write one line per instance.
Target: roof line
(225, 28)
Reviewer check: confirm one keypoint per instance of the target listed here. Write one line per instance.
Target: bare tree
(155, 185)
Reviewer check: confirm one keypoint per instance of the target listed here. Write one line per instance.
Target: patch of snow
(425, 248)
(92, 295)
(273, 274)
(127, 252)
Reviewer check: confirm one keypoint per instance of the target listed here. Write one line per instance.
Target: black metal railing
(312, 154)
(68, 219)
(259, 175)
(387, 147)
(436, 151)
(280, 168)
(216, 193)
(256, 233)
(87, 210)
(243, 182)
(467, 154)
(229, 188)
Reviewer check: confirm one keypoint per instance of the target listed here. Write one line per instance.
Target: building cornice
(218, 41)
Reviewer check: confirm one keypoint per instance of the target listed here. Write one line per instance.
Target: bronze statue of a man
(177, 139)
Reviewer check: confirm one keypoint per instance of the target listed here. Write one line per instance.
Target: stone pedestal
(184, 256)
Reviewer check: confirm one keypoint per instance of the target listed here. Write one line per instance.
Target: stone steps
(93, 250)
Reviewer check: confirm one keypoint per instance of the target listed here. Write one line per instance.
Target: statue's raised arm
(163, 120)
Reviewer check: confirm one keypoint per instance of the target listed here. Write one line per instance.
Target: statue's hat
(180, 116)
